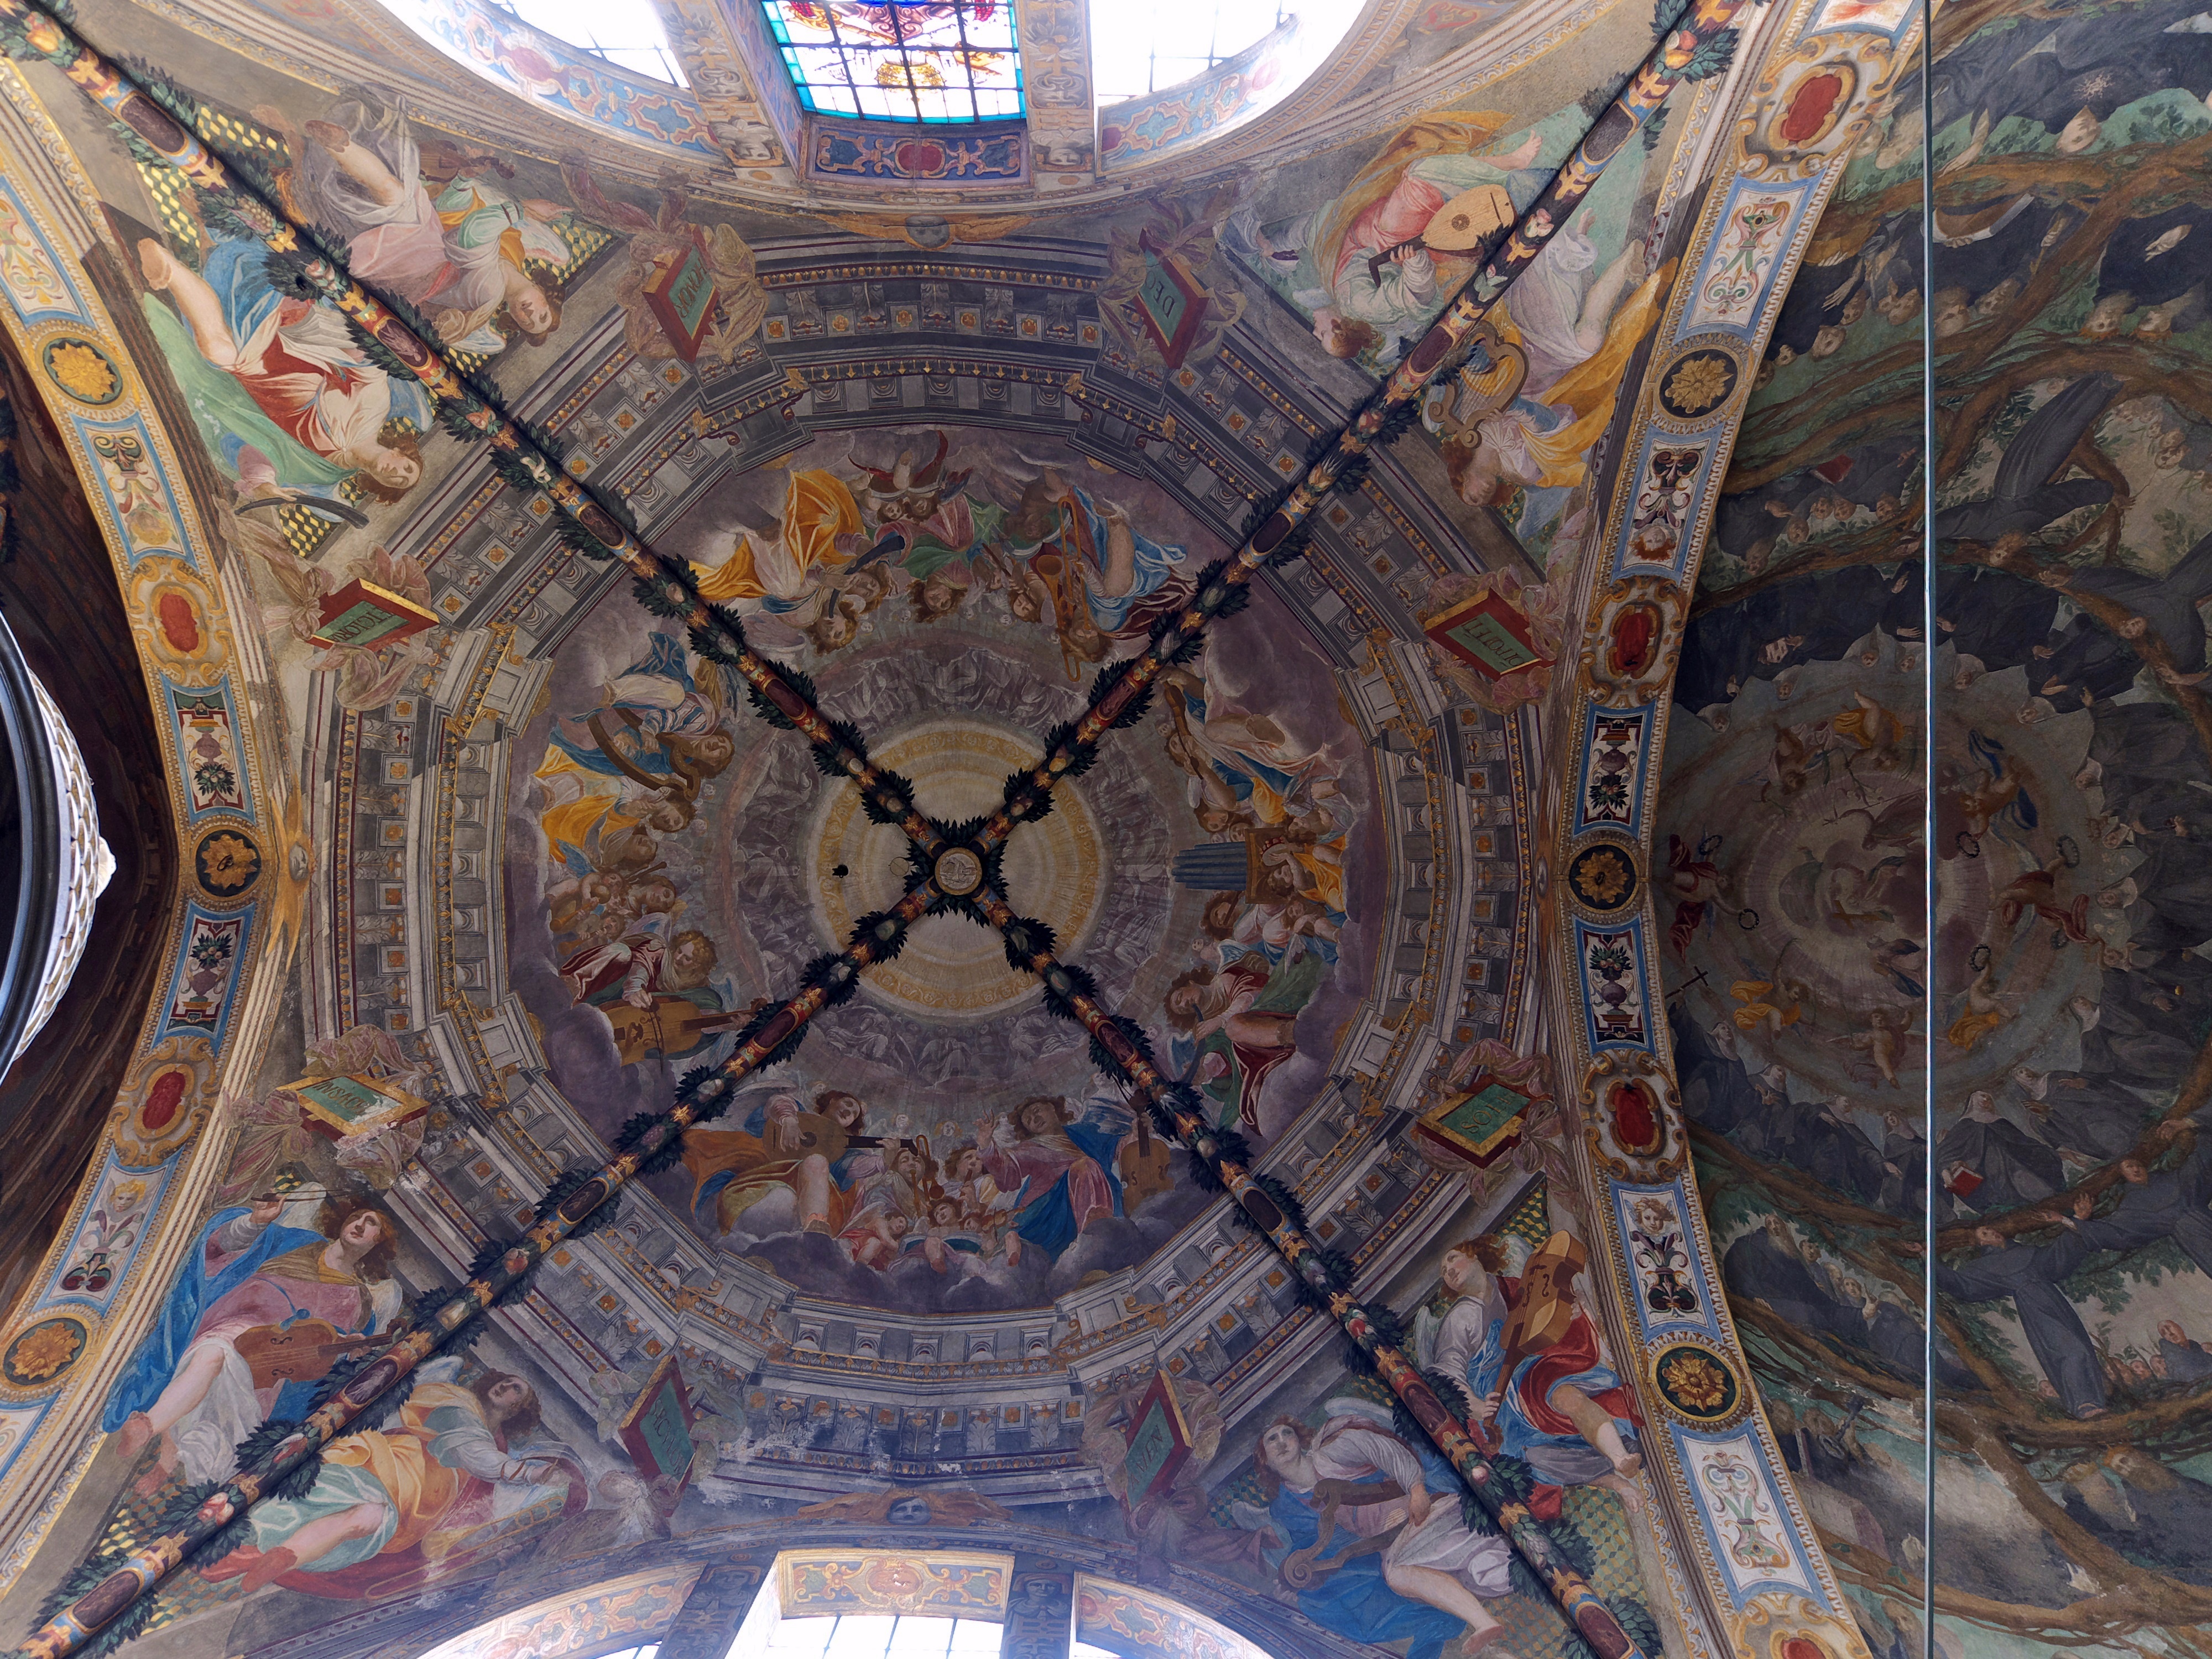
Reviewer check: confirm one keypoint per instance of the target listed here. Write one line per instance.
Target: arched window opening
(878, 1636)
(627, 34)
(1141, 46)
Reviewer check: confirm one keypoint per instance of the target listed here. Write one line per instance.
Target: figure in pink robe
(1060, 1172)
(255, 1266)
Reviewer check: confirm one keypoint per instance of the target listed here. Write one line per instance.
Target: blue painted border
(220, 689)
(1752, 330)
(45, 314)
(1741, 1591)
(1711, 440)
(213, 1035)
(1707, 1320)
(1599, 1042)
(1649, 712)
(179, 546)
(157, 1184)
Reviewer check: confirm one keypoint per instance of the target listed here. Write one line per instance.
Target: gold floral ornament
(44, 1352)
(1696, 1384)
(82, 370)
(1603, 877)
(229, 862)
(1698, 383)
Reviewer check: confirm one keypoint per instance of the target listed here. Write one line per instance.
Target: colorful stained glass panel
(902, 60)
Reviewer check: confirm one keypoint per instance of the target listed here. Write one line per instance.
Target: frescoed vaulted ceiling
(2061, 984)
(915, 864)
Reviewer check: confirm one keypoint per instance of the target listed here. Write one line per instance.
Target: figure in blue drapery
(1062, 1171)
(1368, 1533)
(254, 1267)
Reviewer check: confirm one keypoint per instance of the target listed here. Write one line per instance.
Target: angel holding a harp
(1528, 1355)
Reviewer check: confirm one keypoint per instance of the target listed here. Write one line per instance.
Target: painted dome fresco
(1223, 867)
(1051, 828)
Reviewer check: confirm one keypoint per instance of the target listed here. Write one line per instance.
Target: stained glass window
(902, 60)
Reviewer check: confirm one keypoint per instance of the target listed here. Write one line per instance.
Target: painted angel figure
(1560, 1408)
(1331, 1494)
(1371, 265)
(1256, 1018)
(280, 374)
(929, 523)
(796, 570)
(462, 253)
(1061, 1167)
(733, 1169)
(654, 743)
(1084, 563)
(257, 1267)
(1244, 768)
(398, 1506)
(914, 492)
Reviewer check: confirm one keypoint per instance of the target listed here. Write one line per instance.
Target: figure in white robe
(461, 255)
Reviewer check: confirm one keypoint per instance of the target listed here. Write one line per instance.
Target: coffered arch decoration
(232, 929)
(1814, 98)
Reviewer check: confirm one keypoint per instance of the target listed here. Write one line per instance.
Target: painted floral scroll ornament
(102, 1249)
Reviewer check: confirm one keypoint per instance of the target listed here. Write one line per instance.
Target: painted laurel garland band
(648, 1143)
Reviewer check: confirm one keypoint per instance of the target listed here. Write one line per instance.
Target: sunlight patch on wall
(626, 33)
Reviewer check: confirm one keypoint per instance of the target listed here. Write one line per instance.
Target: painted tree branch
(118, 1601)
(1888, 541)
(2169, 1600)
(2108, 1616)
